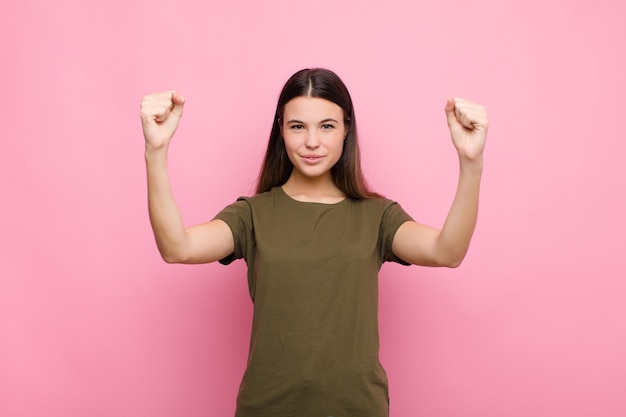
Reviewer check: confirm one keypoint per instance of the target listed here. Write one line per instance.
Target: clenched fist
(160, 115)
(468, 124)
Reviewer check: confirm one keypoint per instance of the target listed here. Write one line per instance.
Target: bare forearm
(424, 245)
(165, 218)
(456, 234)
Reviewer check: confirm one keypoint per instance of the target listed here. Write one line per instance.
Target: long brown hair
(346, 173)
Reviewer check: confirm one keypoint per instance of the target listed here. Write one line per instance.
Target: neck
(319, 189)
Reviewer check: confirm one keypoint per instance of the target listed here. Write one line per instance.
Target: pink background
(93, 323)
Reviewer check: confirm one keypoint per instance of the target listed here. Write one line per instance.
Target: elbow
(171, 257)
(454, 264)
(449, 254)
(453, 261)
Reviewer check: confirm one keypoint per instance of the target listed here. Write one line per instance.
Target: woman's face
(314, 131)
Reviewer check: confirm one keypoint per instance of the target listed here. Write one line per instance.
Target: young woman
(314, 238)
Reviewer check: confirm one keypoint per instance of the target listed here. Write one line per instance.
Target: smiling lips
(312, 159)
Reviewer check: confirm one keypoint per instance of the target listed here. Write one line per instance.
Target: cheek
(291, 143)
(338, 149)
(339, 142)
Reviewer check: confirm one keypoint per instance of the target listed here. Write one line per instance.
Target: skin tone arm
(423, 245)
(208, 242)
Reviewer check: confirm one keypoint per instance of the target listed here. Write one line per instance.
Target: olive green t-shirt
(313, 279)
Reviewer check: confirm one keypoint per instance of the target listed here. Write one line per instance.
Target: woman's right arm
(208, 242)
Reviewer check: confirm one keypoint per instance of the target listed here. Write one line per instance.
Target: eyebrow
(301, 122)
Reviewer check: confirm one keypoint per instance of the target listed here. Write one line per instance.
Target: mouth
(311, 159)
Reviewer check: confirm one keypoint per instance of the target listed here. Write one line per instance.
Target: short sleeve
(394, 216)
(238, 217)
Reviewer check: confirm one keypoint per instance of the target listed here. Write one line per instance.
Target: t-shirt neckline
(287, 196)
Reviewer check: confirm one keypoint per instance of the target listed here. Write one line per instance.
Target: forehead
(312, 108)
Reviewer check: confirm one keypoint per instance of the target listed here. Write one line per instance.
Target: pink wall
(93, 323)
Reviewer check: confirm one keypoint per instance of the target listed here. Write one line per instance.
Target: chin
(315, 170)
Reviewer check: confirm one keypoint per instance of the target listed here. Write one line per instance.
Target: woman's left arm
(423, 245)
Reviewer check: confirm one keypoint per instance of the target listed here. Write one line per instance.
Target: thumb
(449, 108)
(178, 103)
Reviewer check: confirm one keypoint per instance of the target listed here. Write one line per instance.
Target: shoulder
(259, 203)
(374, 203)
(262, 199)
(386, 210)
(244, 206)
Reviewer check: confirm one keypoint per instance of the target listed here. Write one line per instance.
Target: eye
(328, 126)
(296, 127)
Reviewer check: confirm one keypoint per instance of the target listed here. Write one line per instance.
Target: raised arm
(208, 242)
(424, 245)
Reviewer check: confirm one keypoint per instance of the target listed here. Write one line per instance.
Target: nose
(312, 141)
